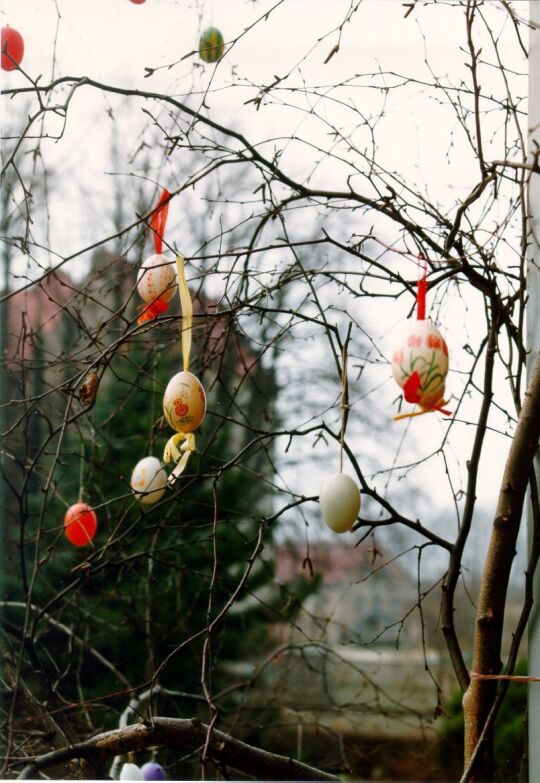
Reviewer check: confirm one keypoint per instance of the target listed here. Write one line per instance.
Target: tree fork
(480, 694)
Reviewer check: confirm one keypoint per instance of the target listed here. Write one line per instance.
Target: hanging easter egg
(211, 45)
(80, 524)
(153, 771)
(184, 402)
(340, 500)
(420, 363)
(12, 49)
(156, 279)
(130, 772)
(148, 480)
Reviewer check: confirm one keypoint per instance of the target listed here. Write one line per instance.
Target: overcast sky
(113, 40)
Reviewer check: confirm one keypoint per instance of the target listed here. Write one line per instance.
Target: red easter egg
(12, 48)
(137, 2)
(80, 524)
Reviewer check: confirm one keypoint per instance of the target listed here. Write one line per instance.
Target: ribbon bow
(180, 455)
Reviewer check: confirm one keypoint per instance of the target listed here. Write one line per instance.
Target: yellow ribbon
(415, 413)
(174, 453)
(431, 409)
(181, 455)
(187, 311)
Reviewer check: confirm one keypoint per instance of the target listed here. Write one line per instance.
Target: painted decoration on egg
(80, 524)
(340, 502)
(12, 48)
(211, 45)
(156, 280)
(149, 480)
(420, 364)
(184, 402)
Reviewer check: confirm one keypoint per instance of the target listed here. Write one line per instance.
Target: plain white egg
(149, 480)
(340, 502)
(130, 772)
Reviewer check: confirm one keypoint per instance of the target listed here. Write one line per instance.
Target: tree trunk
(478, 698)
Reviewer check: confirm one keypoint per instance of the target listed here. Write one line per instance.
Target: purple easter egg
(153, 771)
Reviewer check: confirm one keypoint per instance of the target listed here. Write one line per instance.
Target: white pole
(533, 344)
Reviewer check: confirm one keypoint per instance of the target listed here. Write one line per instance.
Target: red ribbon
(410, 392)
(410, 388)
(152, 310)
(421, 291)
(158, 219)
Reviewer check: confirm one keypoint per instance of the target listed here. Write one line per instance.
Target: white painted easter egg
(420, 363)
(148, 480)
(340, 502)
(184, 402)
(156, 279)
(130, 772)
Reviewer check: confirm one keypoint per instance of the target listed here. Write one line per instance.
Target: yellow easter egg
(184, 402)
(420, 363)
(156, 279)
(148, 480)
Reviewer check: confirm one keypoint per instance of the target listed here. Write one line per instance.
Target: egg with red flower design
(184, 402)
(420, 363)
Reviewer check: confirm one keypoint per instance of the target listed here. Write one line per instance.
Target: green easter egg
(211, 45)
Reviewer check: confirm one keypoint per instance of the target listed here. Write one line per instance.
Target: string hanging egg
(211, 45)
(184, 401)
(12, 48)
(149, 481)
(340, 502)
(80, 524)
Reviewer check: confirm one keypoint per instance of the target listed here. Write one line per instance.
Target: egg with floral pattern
(156, 279)
(420, 363)
(184, 402)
